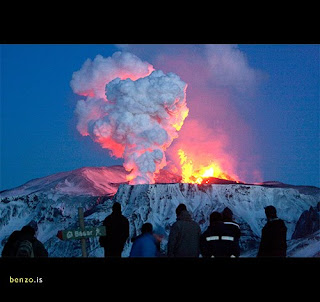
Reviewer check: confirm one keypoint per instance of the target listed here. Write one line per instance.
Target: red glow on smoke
(115, 148)
(198, 153)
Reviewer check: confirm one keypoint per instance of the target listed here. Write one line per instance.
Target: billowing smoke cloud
(130, 109)
(93, 76)
(221, 89)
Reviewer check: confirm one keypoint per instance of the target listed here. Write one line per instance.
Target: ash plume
(130, 109)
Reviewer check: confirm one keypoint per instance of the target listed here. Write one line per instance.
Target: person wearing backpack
(23, 243)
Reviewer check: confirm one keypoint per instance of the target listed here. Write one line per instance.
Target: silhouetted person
(211, 243)
(9, 249)
(221, 238)
(232, 229)
(273, 236)
(184, 236)
(117, 232)
(23, 243)
(145, 245)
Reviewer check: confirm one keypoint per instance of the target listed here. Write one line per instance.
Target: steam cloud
(130, 109)
(221, 97)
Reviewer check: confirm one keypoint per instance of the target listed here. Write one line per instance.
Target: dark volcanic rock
(308, 223)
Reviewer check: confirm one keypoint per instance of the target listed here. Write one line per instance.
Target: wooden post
(83, 240)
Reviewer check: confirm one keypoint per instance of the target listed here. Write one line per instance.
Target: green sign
(86, 233)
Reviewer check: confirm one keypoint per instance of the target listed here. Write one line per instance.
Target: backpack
(25, 249)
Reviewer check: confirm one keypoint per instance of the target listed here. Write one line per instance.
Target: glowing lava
(201, 175)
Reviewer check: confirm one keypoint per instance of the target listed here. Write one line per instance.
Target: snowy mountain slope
(52, 202)
(94, 181)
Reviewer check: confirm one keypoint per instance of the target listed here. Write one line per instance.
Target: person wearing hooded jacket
(273, 236)
(117, 232)
(145, 245)
(184, 236)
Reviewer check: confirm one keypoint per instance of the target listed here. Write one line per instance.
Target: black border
(161, 22)
(207, 26)
(74, 274)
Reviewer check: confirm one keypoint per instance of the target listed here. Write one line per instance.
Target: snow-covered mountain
(52, 203)
(94, 181)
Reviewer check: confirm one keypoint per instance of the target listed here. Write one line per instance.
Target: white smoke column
(131, 110)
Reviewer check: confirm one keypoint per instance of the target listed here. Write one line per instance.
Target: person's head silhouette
(271, 212)
(181, 207)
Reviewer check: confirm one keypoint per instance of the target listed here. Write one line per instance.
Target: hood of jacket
(185, 216)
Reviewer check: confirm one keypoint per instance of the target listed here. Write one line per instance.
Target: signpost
(82, 233)
(83, 240)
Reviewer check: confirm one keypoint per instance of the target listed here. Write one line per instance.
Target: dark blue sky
(38, 126)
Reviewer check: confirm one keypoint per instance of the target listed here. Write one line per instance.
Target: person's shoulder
(148, 236)
(281, 222)
(150, 239)
(276, 221)
(231, 224)
(135, 239)
(36, 241)
(175, 226)
(275, 224)
(141, 238)
(14, 235)
(207, 231)
(107, 217)
(196, 224)
(175, 223)
(124, 218)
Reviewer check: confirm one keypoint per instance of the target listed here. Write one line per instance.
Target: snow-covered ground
(53, 201)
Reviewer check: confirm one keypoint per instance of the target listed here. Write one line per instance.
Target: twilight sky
(255, 106)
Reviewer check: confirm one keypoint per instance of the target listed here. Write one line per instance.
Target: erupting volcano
(132, 110)
(136, 112)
